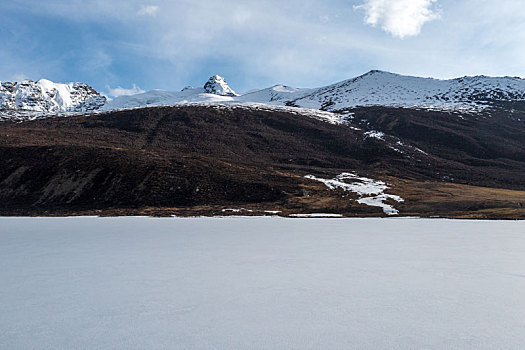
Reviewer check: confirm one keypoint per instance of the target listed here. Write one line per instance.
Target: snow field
(261, 283)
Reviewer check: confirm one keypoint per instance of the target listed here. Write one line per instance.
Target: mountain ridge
(374, 88)
(49, 97)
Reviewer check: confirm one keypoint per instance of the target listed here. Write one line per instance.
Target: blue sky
(147, 44)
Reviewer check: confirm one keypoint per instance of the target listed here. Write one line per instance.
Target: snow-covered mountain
(165, 98)
(48, 97)
(214, 91)
(372, 88)
(218, 86)
(388, 89)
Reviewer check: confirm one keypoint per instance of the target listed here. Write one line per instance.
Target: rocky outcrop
(48, 97)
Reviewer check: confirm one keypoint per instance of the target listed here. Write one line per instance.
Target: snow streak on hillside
(371, 192)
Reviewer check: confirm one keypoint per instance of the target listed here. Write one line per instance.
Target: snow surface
(363, 186)
(261, 283)
(317, 215)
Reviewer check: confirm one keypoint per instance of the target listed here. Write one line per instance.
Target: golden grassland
(422, 199)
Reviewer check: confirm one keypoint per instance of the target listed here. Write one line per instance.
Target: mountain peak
(379, 72)
(49, 97)
(217, 85)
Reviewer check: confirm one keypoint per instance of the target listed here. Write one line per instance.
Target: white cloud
(400, 18)
(19, 77)
(258, 43)
(148, 10)
(119, 91)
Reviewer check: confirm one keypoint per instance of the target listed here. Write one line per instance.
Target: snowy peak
(46, 96)
(216, 90)
(217, 85)
(378, 88)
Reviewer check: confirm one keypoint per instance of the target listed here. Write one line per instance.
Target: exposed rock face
(48, 97)
(218, 86)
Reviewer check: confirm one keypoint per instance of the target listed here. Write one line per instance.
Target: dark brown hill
(194, 156)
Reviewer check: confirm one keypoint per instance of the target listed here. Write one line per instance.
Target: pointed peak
(378, 72)
(217, 85)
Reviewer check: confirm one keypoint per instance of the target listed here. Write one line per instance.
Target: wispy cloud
(148, 10)
(19, 77)
(400, 18)
(257, 43)
(120, 91)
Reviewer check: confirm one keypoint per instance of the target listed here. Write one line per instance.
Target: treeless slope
(197, 156)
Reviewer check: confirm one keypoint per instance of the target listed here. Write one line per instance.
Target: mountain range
(377, 145)
(375, 88)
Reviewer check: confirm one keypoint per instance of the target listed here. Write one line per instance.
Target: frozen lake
(261, 283)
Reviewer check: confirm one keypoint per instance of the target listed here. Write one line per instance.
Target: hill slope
(178, 160)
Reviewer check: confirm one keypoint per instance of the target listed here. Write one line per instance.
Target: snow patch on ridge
(329, 117)
(371, 191)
